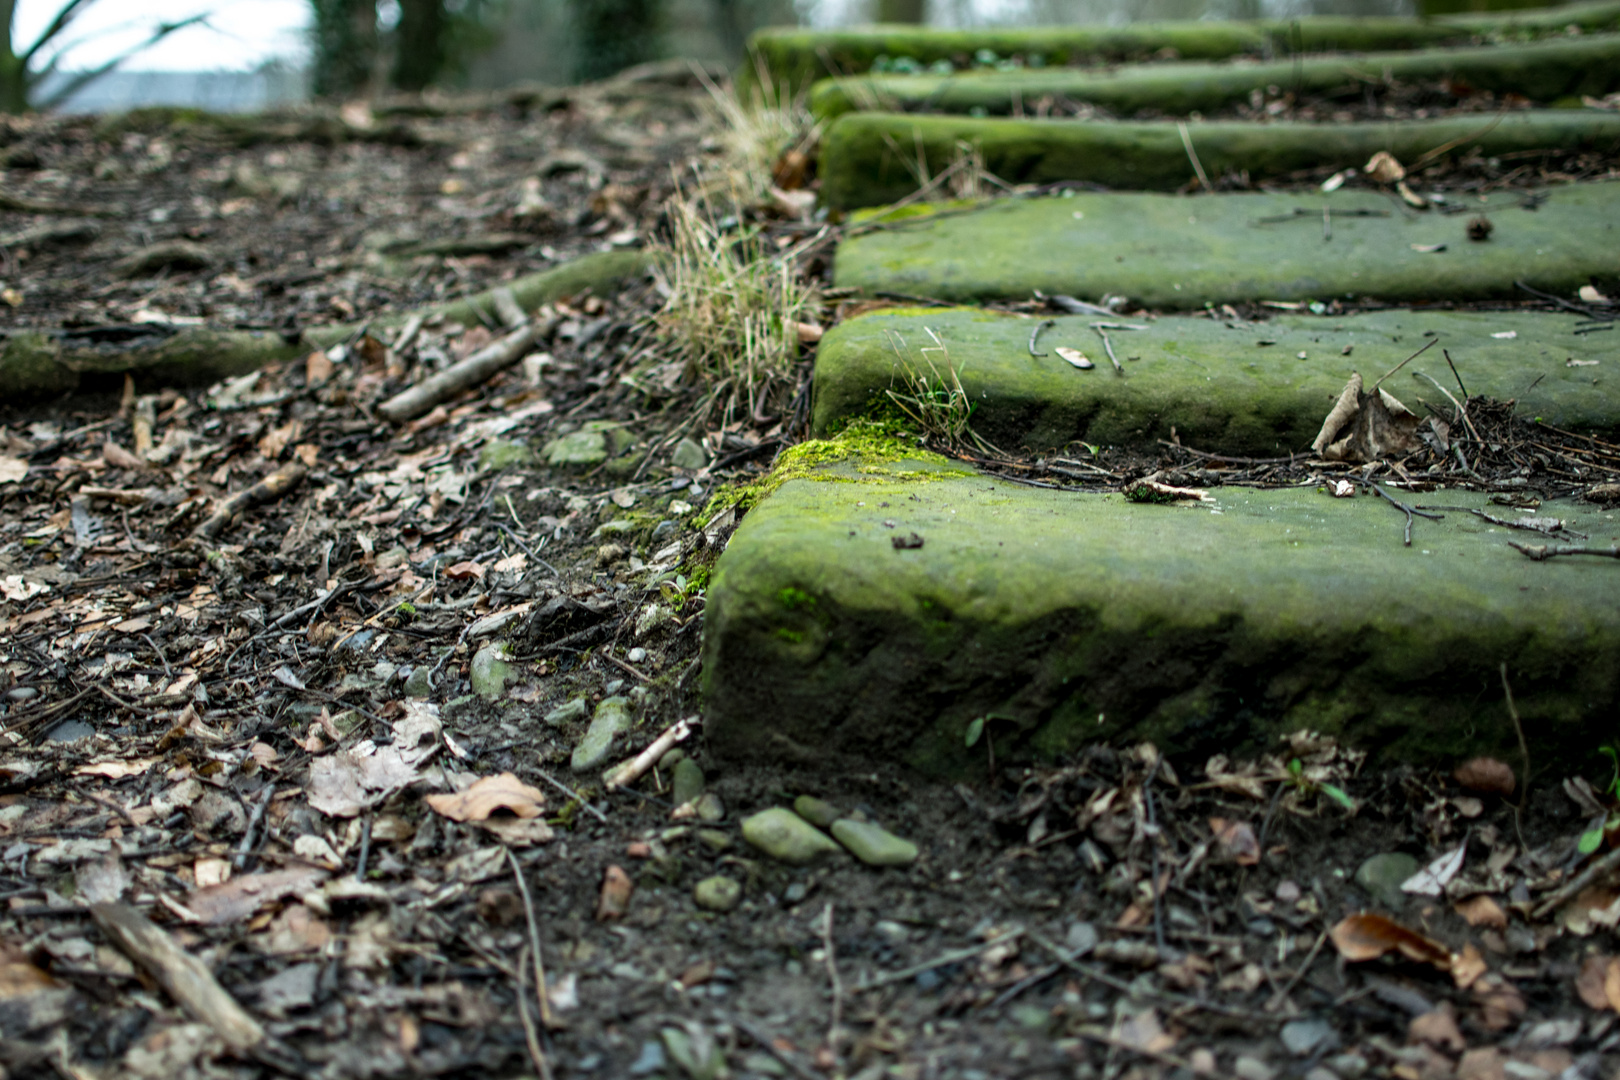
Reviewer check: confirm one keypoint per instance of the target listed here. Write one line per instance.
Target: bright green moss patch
(868, 450)
(1212, 628)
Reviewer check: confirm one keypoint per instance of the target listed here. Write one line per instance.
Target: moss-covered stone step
(1063, 619)
(870, 159)
(1231, 388)
(1167, 251)
(1557, 72)
(794, 56)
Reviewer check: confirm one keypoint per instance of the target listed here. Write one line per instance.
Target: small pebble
(1305, 1037)
(1381, 876)
(1251, 1068)
(816, 811)
(1348, 1066)
(873, 845)
(22, 693)
(1080, 939)
(795, 893)
(687, 783)
(787, 837)
(1287, 892)
(709, 808)
(568, 712)
(636, 655)
(714, 839)
(718, 893)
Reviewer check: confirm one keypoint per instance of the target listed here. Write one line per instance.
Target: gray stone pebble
(872, 844)
(687, 783)
(613, 718)
(568, 712)
(816, 811)
(1380, 877)
(787, 837)
(718, 893)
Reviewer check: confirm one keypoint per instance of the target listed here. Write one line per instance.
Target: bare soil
(173, 709)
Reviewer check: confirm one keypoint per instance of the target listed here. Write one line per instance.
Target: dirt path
(239, 738)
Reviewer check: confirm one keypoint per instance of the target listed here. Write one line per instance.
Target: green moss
(793, 598)
(875, 448)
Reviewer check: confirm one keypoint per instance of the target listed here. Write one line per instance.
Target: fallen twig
(531, 1036)
(271, 487)
(951, 957)
(534, 942)
(1102, 329)
(186, 979)
(837, 1007)
(572, 794)
(1035, 333)
(477, 368)
(1409, 511)
(1571, 888)
(637, 767)
(1543, 552)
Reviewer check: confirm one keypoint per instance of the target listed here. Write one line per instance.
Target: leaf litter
(233, 826)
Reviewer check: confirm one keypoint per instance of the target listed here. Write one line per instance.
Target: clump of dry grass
(935, 403)
(734, 304)
(733, 309)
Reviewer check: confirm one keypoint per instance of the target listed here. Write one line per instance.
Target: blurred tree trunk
(421, 41)
(611, 35)
(900, 11)
(345, 46)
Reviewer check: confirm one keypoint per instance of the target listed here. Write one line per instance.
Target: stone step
(1254, 389)
(1165, 251)
(870, 159)
(1558, 72)
(1222, 387)
(1068, 618)
(794, 56)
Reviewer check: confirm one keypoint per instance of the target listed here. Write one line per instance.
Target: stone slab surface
(868, 159)
(794, 55)
(1558, 71)
(1182, 252)
(1070, 618)
(1231, 388)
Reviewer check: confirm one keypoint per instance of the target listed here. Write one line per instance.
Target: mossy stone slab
(1554, 71)
(1068, 618)
(794, 56)
(1166, 251)
(1225, 387)
(868, 159)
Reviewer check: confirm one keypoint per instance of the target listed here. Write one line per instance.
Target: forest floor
(238, 739)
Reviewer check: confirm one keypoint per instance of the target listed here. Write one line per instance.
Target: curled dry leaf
(1367, 426)
(1485, 775)
(1598, 983)
(614, 899)
(1367, 936)
(1482, 910)
(1384, 168)
(487, 796)
(1438, 1028)
(1500, 1003)
(1237, 839)
(1467, 966)
(1433, 879)
(1075, 357)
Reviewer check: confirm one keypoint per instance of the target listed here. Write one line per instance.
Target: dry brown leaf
(1589, 910)
(1467, 966)
(116, 770)
(1144, 1032)
(1484, 1063)
(1591, 984)
(1367, 936)
(1438, 1028)
(1485, 775)
(317, 368)
(242, 896)
(1500, 1002)
(1384, 168)
(1481, 910)
(1611, 984)
(1364, 426)
(119, 458)
(614, 899)
(295, 930)
(491, 794)
(1237, 839)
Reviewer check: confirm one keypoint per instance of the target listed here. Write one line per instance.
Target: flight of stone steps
(885, 603)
